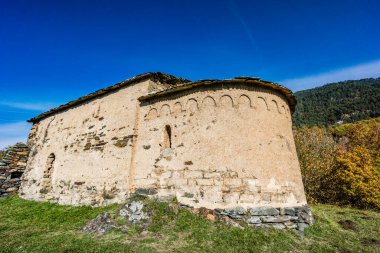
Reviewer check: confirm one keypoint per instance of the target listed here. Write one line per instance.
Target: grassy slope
(27, 226)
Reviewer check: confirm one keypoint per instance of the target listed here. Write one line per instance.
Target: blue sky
(52, 52)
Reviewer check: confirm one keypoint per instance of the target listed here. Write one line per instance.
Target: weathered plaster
(230, 147)
(227, 145)
(92, 144)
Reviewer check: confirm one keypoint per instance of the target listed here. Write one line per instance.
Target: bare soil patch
(348, 225)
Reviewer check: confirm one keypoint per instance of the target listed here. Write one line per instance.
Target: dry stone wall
(12, 167)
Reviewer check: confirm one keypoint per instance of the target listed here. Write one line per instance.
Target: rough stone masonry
(216, 144)
(12, 167)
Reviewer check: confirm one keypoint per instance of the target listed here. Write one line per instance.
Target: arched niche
(262, 104)
(165, 110)
(226, 101)
(274, 106)
(152, 114)
(177, 108)
(244, 101)
(208, 102)
(192, 105)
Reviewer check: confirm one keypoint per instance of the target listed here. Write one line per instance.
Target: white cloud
(366, 70)
(29, 106)
(244, 25)
(13, 132)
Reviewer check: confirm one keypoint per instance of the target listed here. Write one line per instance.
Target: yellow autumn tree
(341, 165)
(355, 178)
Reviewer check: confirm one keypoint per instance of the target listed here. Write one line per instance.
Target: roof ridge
(154, 76)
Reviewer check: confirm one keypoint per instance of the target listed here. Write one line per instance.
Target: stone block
(264, 211)
(275, 219)
(165, 195)
(205, 182)
(253, 220)
(146, 191)
(252, 185)
(11, 189)
(188, 195)
(262, 225)
(180, 182)
(166, 182)
(178, 174)
(236, 213)
(214, 175)
(231, 198)
(305, 217)
(301, 226)
(278, 226)
(266, 196)
(212, 194)
(233, 182)
(219, 182)
(247, 198)
(14, 180)
(193, 174)
(166, 174)
(290, 224)
(289, 211)
(144, 182)
(189, 189)
(221, 169)
(192, 182)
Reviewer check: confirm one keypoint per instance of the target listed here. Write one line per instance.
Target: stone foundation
(297, 218)
(12, 167)
(139, 213)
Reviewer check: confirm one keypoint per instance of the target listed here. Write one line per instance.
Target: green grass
(27, 226)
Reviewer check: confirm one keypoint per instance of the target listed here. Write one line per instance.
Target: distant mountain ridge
(340, 102)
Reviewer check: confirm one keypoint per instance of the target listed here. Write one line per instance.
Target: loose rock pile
(101, 224)
(12, 167)
(133, 213)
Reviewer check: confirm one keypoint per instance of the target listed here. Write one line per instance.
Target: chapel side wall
(231, 146)
(92, 145)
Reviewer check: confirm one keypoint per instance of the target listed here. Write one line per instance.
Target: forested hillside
(341, 102)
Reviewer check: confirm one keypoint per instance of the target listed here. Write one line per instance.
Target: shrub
(316, 152)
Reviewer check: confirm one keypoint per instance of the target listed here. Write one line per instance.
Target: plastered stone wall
(92, 147)
(215, 146)
(229, 146)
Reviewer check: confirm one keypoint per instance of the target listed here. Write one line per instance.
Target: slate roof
(154, 76)
(175, 85)
(252, 81)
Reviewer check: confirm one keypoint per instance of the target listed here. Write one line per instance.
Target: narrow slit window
(168, 137)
